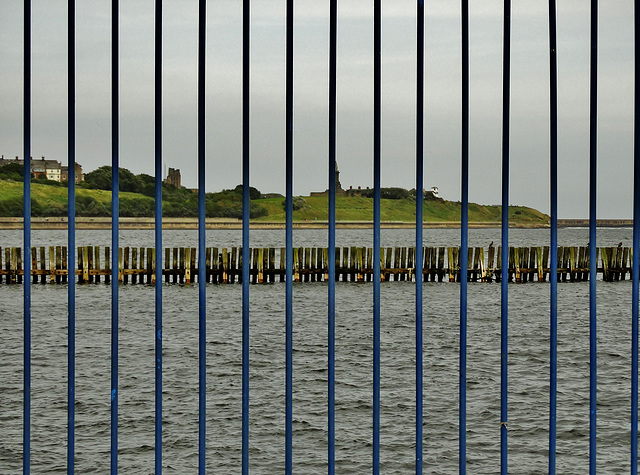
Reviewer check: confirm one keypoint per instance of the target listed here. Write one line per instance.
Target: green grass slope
(50, 200)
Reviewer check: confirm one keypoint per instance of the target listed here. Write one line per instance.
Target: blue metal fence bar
(464, 241)
(377, 99)
(158, 238)
(635, 294)
(246, 63)
(289, 246)
(553, 295)
(593, 144)
(504, 281)
(26, 418)
(71, 242)
(202, 314)
(115, 213)
(331, 292)
(419, 227)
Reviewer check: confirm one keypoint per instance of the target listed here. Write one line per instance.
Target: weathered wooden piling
(354, 264)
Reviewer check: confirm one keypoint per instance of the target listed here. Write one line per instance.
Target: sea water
(528, 368)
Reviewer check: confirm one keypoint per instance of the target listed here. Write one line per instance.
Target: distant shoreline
(225, 223)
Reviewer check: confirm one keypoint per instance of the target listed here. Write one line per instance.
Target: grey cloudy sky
(529, 94)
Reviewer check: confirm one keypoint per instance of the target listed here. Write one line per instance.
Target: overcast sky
(529, 95)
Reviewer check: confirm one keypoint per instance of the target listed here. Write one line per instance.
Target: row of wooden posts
(355, 264)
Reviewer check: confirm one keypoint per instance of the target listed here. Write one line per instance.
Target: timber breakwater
(267, 265)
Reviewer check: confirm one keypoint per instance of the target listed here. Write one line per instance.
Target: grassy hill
(48, 200)
(356, 208)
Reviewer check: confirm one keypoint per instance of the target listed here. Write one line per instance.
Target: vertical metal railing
(158, 236)
(331, 292)
(377, 103)
(115, 227)
(26, 431)
(419, 228)
(464, 242)
(635, 293)
(246, 64)
(553, 274)
(202, 309)
(71, 243)
(377, 43)
(593, 152)
(289, 243)
(504, 288)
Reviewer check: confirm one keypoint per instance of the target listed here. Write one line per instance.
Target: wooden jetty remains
(353, 264)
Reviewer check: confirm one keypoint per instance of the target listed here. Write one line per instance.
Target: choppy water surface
(528, 373)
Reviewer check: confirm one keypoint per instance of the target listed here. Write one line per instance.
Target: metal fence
(289, 125)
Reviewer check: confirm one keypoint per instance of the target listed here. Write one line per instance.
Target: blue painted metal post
(26, 431)
(158, 238)
(115, 245)
(419, 227)
(377, 99)
(71, 243)
(289, 247)
(246, 63)
(553, 296)
(331, 297)
(464, 242)
(504, 307)
(593, 119)
(202, 313)
(635, 293)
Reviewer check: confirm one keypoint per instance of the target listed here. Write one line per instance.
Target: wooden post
(90, 261)
(605, 264)
(517, 263)
(120, 265)
(369, 273)
(498, 269)
(19, 273)
(207, 265)
(107, 265)
(540, 261)
(167, 268)
(143, 268)
(151, 265)
(97, 265)
(260, 263)
(625, 259)
(314, 263)
(225, 264)
(85, 264)
(126, 265)
(524, 262)
(450, 263)
(283, 264)
(80, 265)
(234, 269)
(187, 262)
(296, 268)
(410, 262)
(64, 265)
(134, 265)
(34, 266)
(272, 264)
(572, 263)
(387, 264)
(194, 272)
(214, 264)
(532, 262)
